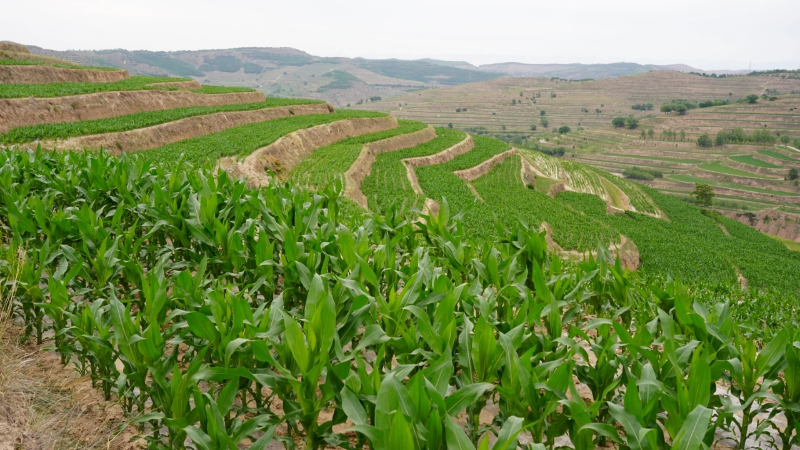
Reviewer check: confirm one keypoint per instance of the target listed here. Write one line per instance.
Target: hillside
(285, 72)
(203, 267)
(513, 105)
(579, 206)
(593, 71)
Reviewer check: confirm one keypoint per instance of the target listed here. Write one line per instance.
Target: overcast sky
(708, 34)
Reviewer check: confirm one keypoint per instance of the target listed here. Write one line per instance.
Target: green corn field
(224, 316)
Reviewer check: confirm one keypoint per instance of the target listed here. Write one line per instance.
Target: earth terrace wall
(18, 112)
(362, 166)
(287, 152)
(46, 74)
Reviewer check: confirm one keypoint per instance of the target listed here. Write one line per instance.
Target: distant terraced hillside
(751, 169)
(511, 106)
(385, 164)
(284, 72)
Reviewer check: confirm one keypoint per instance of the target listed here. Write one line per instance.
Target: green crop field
(717, 166)
(656, 158)
(243, 140)
(214, 312)
(691, 179)
(133, 83)
(33, 62)
(65, 130)
(780, 156)
(747, 159)
(257, 307)
(387, 185)
(330, 162)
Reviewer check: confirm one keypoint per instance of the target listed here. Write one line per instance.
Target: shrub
(752, 98)
(631, 122)
(637, 173)
(618, 122)
(564, 129)
(704, 141)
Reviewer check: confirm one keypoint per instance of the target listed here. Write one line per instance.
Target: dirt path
(47, 74)
(362, 166)
(166, 133)
(18, 112)
(283, 155)
(439, 158)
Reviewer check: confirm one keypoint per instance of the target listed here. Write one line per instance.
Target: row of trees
(642, 106)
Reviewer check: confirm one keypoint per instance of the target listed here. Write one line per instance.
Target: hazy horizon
(709, 35)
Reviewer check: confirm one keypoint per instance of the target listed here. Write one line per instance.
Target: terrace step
(167, 133)
(35, 74)
(287, 152)
(18, 112)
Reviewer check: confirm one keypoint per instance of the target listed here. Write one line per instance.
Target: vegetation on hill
(341, 80)
(243, 140)
(65, 130)
(423, 71)
(133, 83)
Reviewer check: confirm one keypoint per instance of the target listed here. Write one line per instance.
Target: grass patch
(747, 159)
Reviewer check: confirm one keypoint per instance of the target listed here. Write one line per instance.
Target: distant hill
(289, 72)
(578, 71)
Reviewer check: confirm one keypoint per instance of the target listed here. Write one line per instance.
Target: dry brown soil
(47, 74)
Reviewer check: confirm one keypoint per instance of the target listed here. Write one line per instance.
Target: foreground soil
(44, 405)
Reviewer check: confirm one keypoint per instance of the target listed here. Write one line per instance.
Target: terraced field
(513, 105)
(183, 277)
(753, 174)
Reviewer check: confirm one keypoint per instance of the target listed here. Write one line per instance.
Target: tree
(703, 194)
(651, 133)
(533, 127)
(450, 125)
(793, 174)
(752, 98)
(564, 129)
(513, 101)
(680, 109)
(643, 134)
(504, 127)
(544, 122)
(705, 141)
(542, 112)
(785, 139)
(618, 122)
(631, 122)
(683, 135)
